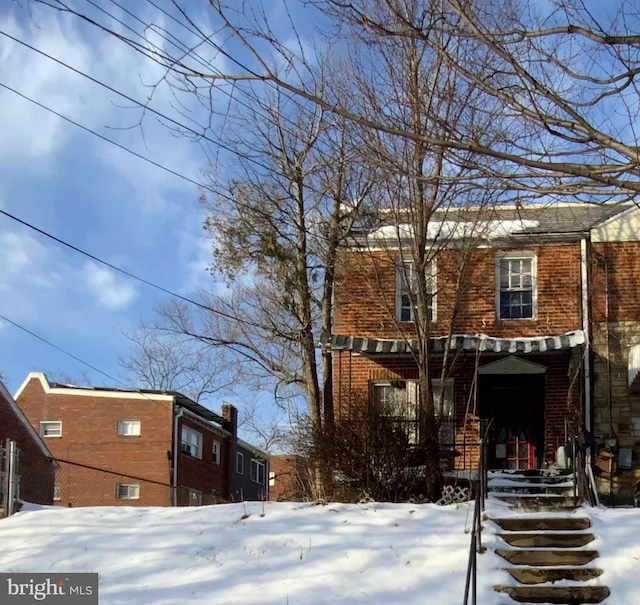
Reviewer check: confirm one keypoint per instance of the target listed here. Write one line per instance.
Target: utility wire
(57, 348)
(93, 132)
(123, 271)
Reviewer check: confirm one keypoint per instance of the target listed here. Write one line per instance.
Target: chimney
(230, 415)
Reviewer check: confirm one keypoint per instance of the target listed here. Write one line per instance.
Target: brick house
(546, 316)
(36, 468)
(128, 447)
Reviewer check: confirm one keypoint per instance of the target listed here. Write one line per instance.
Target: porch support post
(584, 267)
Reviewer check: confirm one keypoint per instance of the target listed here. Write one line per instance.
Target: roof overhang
(457, 342)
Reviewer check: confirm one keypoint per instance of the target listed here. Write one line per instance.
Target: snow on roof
(444, 230)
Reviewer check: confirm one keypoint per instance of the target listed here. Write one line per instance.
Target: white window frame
(272, 479)
(129, 428)
(47, 425)
(240, 463)
(518, 256)
(258, 471)
(411, 387)
(215, 451)
(57, 492)
(405, 286)
(127, 491)
(191, 442)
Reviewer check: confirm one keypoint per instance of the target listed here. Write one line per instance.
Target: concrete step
(537, 502)
(520, 524)
(548, 540)
(553, 558)
(558, 489)
(533, 475)
(541, 575)
(566, 595)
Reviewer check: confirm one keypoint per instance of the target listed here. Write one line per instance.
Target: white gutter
(176, 451)
(585, 328)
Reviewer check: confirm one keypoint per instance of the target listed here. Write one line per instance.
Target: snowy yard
(285, 553)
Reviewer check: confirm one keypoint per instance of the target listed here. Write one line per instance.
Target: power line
(57, 348)
(93, 132)
(123, 271)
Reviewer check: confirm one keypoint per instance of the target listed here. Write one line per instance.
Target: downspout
(584, 267)
(176, 453)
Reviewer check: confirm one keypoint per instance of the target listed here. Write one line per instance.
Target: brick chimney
(230, 415)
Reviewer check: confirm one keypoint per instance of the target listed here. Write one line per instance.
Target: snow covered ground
(286, 553)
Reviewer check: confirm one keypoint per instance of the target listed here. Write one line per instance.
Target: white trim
(400, 264)
(25, 421)
(517, 255)
(50, 422)
(126, 422)
(241, 455)
(203, 422)
(80, 392)
(584, 283)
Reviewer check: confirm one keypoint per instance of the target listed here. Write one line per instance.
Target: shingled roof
(499, 222)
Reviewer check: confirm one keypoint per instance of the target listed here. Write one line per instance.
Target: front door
(515, 405)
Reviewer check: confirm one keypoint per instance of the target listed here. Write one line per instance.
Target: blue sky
(88, 193)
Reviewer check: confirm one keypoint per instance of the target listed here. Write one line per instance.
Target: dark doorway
(515, 403)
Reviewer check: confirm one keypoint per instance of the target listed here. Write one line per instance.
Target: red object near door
(514, 449)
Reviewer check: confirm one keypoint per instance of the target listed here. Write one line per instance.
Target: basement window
(128, 491)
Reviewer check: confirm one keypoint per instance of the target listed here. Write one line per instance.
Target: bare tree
(174, 364)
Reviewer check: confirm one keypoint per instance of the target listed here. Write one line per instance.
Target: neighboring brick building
(544, 303)
(152, 448)
(288, 479)
(36, 467)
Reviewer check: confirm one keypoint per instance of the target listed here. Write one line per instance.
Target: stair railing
(475, 548)
(584, 484)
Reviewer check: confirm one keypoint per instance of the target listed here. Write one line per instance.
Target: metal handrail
(584, 487)
(475, 548)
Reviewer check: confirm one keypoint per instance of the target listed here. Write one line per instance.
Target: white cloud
(107, 290)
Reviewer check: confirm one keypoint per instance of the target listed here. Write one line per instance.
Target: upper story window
(191, 442)
(516, 286)
(407, 288)
(129, 428)
(399, 401)
(240, 463)
(51, 428)
(216, 452)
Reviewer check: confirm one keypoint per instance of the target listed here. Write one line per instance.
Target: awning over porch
(464, 342)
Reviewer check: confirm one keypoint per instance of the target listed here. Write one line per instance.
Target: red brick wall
(353, 375)
(621, 260)
(90, 437)
(365, 294)
(204, 475)
(36, 472)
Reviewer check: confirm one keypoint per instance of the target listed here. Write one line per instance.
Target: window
(191, 442)
(128, 491)
(195, 497)
(239, 463)
(516, 287)
(257, 471)
(399, 401)
(128, 428)
(51, 428)
(272, 479)
(56, 492)
(216, 452)
(406, 290)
